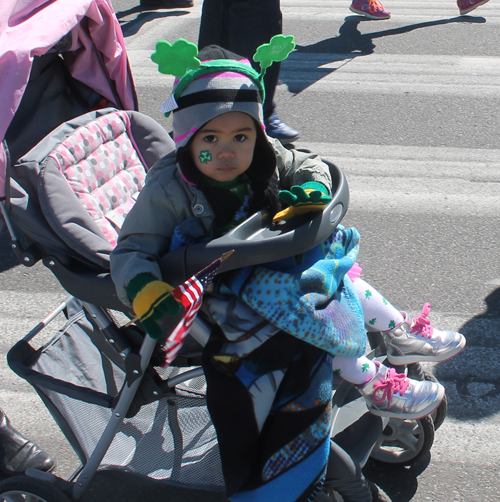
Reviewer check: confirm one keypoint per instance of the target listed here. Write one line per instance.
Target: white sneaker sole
(368, 15)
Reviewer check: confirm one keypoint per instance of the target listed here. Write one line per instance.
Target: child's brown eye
(210, 138)
(240, 137)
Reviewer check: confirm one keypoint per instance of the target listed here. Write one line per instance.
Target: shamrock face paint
(205, 157)
(223, 148)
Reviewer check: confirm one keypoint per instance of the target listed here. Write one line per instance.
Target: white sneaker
(392, 394)
(416, 340)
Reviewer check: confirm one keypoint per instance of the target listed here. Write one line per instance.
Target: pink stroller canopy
(30, 28)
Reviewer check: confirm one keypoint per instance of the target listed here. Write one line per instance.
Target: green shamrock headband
(179, 59)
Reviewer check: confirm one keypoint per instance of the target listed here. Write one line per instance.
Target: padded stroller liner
(172, 439)
(86, 176)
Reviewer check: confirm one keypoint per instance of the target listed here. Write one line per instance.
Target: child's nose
(226, 151)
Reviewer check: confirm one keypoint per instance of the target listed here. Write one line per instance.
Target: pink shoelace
(421, 325)
(394, 383)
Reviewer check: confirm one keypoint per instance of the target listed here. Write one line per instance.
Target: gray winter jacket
(167, 200)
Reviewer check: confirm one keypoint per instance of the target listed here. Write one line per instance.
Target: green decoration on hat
(179, 59)
(176, 59)
(276, 50)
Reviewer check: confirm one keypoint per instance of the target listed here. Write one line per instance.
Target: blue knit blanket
(313, 301)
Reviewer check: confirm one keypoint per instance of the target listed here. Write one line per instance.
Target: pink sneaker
(372, 9)
(466, 6)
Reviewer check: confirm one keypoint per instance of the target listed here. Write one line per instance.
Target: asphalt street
(409, 109)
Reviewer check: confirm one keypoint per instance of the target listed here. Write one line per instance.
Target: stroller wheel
(403, 442)
(26, 489)
(440, 413)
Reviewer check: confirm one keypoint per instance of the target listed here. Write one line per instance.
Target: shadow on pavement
(398, 482)
(351, 43)
(476, 393)
(131, 27)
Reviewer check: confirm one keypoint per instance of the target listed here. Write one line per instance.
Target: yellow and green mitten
(311, 196)
(151, 299)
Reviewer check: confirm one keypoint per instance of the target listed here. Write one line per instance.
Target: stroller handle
(260, 240)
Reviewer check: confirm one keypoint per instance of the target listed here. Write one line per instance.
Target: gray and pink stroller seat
(71, 192)
(87, 175)
(101, 165)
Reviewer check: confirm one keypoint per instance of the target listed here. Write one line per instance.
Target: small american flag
(190, 294)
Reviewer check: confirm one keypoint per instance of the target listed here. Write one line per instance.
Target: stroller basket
(171, 439)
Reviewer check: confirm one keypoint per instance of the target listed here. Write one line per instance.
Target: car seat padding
(92, 176)
(103, 169)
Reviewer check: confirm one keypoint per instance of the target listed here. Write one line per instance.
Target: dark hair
(260, 176)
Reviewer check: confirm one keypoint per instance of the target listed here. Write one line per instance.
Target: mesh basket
(172, 439)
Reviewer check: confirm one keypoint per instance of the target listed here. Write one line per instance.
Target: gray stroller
(69, 184)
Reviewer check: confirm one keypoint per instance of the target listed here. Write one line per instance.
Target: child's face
(223, 148)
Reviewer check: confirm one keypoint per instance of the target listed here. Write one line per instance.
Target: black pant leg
(241, 26)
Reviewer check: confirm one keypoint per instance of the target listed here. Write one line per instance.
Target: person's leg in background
(241, 26)
(212, 24)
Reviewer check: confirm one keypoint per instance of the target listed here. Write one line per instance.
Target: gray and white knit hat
(217, 87)
(222, 83)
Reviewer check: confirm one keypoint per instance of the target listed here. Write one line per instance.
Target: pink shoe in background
(466, 6)
(372, 9)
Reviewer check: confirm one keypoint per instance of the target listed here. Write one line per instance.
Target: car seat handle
(260, 240)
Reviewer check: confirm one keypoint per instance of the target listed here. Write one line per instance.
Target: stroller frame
(135, 363)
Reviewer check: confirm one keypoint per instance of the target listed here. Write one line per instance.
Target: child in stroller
(257, 373)
(79, 262)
